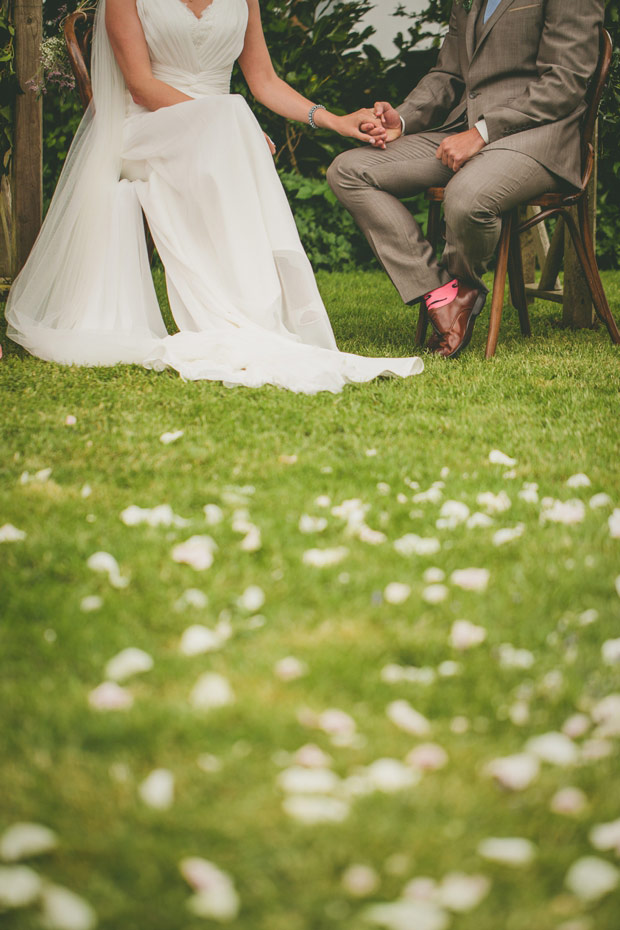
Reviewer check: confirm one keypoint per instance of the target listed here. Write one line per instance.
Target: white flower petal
(578, 481)
(252, 598)
(10, 533)
(435, 593)
(478, 520)
(508, 850)
(128, 662)
(577, 725)
(110, 696)
(290, 668)
(452, 514)
(465, 635)
(211, 691)
(64, 910)
(302, 780)
(461, 893)
(606, 836)
(427, 757)
(529, 493)
(323, 558)
(567, 512)
(162, 515)
(591, 878)
(471, 579)
(196, 551)
(198, 639)
(494, 503)
(311, 809)
(311, 756)
(23, 840)
(157, 789)
(193, 597)
(411, 544)
(555, 748)
(309, 524)
(510, 657)
(432, 496)
(433, 575)
(508, 534)
(406, 718)
(213, 514)
(396, 593)
(408, 915)
(610, 651)
(91, 602)
(216, 897)
(169, 437)
(569, 802)
(500, 458)
(19, 886)
(105, 563)
(359, 881)
(516, 772)
(391, 775)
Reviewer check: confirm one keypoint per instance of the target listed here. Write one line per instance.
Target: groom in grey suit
(496, 122)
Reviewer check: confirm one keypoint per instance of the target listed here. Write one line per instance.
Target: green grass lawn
(550, 402)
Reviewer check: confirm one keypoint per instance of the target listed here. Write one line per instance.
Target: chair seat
(545, 201)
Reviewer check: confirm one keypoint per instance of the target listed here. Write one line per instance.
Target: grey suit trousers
(370, 182)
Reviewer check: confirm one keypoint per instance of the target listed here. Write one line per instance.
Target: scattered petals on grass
(508, 534)
(289, 669)
(597, 501)
(396, 592)
(324, 558)
(211, 691)
(610, 651)
(432, 496)
(19, 886)
(105, 564)
(529, 493)
(576, 725)
(313, 809)
(10, 533)
(614, 524)
(465, 635)
(515, 773)
(110, 696)
(157, 789)
(407, 915)
(360, 881)
(460, 893)
(252, 598)
(416, 545)
(567, 512)
(23, 840)
(479, 520)
(167, 438)
(511, 657)
(216, 897)
(591, 878)
(427, 757)
(309, 524)
(128, 662)
(197, 551)
(452, 514)
(569, 801)
(62, 909)
(578, 481)
(213, 514)
(508, 850)
(496, 457)
(91, 603)
(303, 780)
(406, 718)
(161, 515)
(554, 748)
(471, 579)
(433, 575)
(312, 756)
(70, 419)
(390, 775)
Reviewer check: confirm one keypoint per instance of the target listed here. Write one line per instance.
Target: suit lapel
(488, 26)
(470, 29)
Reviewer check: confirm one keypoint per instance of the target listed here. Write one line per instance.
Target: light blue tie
(492, 5)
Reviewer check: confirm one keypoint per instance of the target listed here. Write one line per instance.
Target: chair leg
(499, 284)
(432, 234)
(584, 246)
(517, 280)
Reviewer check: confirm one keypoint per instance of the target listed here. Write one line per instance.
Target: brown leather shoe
(454, 322)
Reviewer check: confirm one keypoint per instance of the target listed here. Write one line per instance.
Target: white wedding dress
(241, 289)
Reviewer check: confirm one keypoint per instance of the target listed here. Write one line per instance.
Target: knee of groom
(343, 174)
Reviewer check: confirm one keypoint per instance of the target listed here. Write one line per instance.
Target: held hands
(456, 150)
(387, 125)
(362, 125)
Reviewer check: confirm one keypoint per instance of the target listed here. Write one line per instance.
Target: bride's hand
(270, 143)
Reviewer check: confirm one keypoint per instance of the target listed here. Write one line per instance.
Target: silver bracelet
(317, 106)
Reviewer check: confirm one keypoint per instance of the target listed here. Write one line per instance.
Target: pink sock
(442, 295)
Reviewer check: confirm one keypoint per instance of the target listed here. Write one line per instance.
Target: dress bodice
(196, 54)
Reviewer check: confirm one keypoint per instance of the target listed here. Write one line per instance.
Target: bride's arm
(131, 52)
(277, 95)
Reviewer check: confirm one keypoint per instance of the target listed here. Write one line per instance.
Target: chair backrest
(595, 94)
(78, 31)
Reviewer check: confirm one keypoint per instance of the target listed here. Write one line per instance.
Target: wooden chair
(509, 259)
(78, 31)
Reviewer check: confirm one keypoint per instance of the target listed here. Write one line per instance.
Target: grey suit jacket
(526, 76)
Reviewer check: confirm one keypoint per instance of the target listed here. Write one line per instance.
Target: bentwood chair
(78, 30)
(509, 259)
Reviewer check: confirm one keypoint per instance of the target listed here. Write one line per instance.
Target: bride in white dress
(164, 135)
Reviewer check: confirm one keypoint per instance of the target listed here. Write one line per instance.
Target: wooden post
(27, 152)
(577, 309)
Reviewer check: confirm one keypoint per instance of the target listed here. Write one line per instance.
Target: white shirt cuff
(402, 123)
(483, 129)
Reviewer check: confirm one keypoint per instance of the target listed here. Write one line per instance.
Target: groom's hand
(389, 120)
(456, 150)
